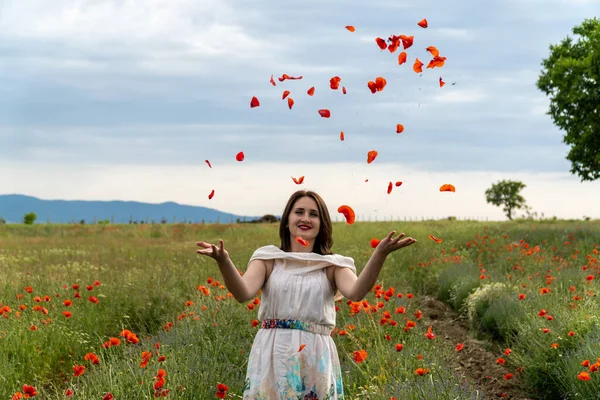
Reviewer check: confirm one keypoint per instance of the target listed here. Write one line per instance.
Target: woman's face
(304, 220)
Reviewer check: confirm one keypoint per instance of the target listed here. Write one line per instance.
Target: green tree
(506, 193)
(29, 218)
(571, 78)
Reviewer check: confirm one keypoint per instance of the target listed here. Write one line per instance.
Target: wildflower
(583, 376)
(92, 357)
(222, 390)
(78, 370)
(430, 335)
(360, 356)
(29, 390)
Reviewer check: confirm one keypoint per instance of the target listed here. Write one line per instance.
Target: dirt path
(474, 361)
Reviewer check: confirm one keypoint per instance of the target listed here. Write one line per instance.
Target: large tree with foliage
(506, 193)
(571, 78)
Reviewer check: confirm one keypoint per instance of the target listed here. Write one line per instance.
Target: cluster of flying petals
(378, 84)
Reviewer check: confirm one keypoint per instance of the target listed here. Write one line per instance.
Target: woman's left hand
(390, 244)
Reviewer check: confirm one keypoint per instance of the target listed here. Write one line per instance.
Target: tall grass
(153, 283)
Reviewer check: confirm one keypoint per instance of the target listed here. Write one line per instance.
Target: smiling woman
(294, 355)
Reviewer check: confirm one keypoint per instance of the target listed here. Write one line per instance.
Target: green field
(147, 279)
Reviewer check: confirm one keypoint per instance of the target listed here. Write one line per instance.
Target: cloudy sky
(125, 99)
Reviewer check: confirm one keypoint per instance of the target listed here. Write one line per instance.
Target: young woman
(293, 355)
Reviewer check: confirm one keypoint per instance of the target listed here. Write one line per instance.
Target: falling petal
(344, 89)
(392, 47)
(311, 91)
(342, 136)
(402, 58)
(381, 43)
(371, 155)
(272, 81)
(442, 83)
(375, 242)
(447, 188)
(348, 213)
(334, 83)
(418, 66)
(350, 28)
(254, 102)
(378, 85)
(435, 239)
(240, 156)
(390, 187)
(212, 193)
(299, 180)
(302, 241)
(325, 113)
(434, 52)
(286, 76)
(208, 162)
(423, 23)
(436, 62)
(399, 128)
(285, 94)
(407, 41)
(290, 102)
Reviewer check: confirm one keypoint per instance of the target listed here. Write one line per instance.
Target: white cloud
(158, 33)
(455, 33)
(460, 96)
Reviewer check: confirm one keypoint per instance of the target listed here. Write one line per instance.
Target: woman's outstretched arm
(233, 280)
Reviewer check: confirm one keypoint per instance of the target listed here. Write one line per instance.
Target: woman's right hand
(218, 253)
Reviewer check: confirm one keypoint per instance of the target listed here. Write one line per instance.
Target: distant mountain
(14, 206)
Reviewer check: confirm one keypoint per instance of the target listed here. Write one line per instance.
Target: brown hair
(324, 240)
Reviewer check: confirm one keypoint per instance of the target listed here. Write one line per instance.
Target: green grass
(148, 272)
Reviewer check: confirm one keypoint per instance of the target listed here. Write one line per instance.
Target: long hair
(324, 240)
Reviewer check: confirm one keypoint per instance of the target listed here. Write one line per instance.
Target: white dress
(297, 308)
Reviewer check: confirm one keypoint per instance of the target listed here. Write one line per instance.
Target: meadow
(131, 312)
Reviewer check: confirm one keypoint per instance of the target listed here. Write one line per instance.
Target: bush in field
(456, 282)
(29, 218)
(2, 221)
(478, 303)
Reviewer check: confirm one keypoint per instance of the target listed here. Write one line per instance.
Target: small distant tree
(29, 218)
(506, 193)
(2, 221)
